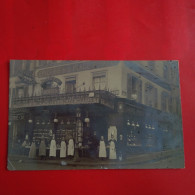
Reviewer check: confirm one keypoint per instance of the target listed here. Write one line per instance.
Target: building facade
(89, 99)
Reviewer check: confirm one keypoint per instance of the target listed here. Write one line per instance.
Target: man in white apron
(52, 151)
(63, 149)
(32, 152)
(112, 148)
(42, 148)
(102, 148)
(71, 147)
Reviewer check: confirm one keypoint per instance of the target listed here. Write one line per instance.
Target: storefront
(85, 117)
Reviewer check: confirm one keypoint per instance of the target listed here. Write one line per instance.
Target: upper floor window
(17, 67)
(22, 91)
(99, 81)
(151, 96)
(70, 84)
(165, 102)
(134, 88)
(27, 65)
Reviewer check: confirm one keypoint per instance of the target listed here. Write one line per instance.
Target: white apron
(52, 151)
(71, 147)
(63, 149)
(102, 150)
(32, 152)
(112, 154)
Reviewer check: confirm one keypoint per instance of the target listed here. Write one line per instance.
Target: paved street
(168, 159)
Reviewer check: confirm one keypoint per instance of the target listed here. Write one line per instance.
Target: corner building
(82, 99)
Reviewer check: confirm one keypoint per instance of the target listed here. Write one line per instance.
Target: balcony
(102, 97)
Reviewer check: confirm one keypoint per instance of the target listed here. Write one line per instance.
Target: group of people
(64, 151)
(115, 150)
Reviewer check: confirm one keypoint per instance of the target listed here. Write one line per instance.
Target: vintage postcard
(94, 115)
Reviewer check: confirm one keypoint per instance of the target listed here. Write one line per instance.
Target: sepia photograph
(66, 115)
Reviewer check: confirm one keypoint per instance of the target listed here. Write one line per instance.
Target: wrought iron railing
(88, 97)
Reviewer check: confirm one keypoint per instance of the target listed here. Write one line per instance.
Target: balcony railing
(103, 97)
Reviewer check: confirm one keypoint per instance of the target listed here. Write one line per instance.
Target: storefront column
(78, 126)
(55, 125)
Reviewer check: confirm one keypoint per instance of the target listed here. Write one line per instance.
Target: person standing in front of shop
(52, 150)
(42, 148)
(32, 152)
(63, 149)
(102, 149)
(25, 144)
(71, 148)
(121, 148)
(93, 146)
(112, 148)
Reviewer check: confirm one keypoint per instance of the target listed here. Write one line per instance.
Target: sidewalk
(130, 160)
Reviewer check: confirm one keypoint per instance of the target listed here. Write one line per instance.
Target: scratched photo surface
(94, 115)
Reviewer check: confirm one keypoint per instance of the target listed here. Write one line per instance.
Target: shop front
(85, 118)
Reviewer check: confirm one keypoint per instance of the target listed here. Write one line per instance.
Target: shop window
(151, 95)
(134, 88)
(99, 81)
(70, 85)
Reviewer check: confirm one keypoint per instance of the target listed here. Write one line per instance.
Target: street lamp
(87, 120)
(30, 126)
(55, 119)
(30, 119)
